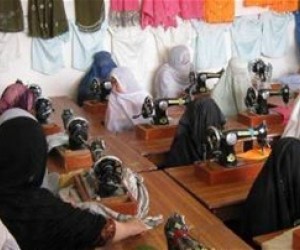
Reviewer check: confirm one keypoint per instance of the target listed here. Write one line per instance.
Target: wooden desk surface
(167, 197)
(218, 198)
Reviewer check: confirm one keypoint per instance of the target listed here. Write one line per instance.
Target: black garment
(274, 199)
(187, 146)
(36, 218)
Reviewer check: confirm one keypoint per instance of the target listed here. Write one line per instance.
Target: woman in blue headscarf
(101, 68)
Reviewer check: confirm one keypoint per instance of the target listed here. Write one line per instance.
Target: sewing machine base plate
(95, 107)
(51, 128)
(150, 132)
(213, 173)
(251, 119)
(74, 159)
(296, 239)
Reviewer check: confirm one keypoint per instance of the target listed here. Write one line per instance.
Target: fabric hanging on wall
(166, 39)
(46, 19)
(210, 46)
(261, 3)
(218, 11)
(124, 13)
(275, 34)
(47, 54)
(9, 49)
(297, 28)
(128, 46)
(284, 5)
(190, 9)
(89, 14)
(85, 45)
(11, 16)
(159, 12)
(246, 33)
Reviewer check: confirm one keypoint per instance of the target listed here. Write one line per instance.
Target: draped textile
(11, 16)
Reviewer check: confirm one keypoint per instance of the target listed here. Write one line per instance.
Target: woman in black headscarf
(187, 146)
(274, 199)
(36, 218)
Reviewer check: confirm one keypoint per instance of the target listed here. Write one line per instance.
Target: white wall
(66, 81)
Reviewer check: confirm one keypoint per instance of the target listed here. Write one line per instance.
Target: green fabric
(46, 18)
(89, 14)
(11, 16)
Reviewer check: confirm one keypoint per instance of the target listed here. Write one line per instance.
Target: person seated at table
(273, 202)
(7, 241)
(34, 216)
(125, 101)
(230, 91)
(17, 95)
(100, 68)
(173, 77)
(187, 146)
(292, 128)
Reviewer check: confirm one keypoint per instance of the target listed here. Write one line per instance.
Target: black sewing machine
(36, 90)
(43, 109)
(257, 100)
(220, 144)
(261, 72)
(198, 81)
(100, 89)
(77, 129)
(157, 109)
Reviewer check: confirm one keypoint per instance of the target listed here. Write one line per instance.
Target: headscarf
(122, 106)
(16, 95)
(273, 202)
(7, 241)
(36, 218)
(230, 91)
(101, 68)
(187, 146)
(292, 129)
(173, 77)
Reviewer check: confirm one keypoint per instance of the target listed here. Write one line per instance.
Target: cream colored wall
(66, 81)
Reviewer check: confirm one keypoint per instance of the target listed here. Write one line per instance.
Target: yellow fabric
(218, 11)
(255, 154)
(67, 179)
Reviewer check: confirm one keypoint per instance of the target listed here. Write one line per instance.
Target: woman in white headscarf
(125, 101)
(292, 128)
(230, 91)
(173, 77)
(7, 241)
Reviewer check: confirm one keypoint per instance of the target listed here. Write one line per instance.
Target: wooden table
(166, 197)
(224, 200)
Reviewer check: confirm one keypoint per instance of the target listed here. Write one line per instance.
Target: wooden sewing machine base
(213, 173)
(51, 128)
(150, 132)
(296, 239)
(74, 159)
(95, 107)
(251, 119)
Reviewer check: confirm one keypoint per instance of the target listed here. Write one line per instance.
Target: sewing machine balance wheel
(250, 99)
(213, 138)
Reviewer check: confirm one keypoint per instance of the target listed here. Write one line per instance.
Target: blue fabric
(101, 68)
(297, 28)
(292, 80)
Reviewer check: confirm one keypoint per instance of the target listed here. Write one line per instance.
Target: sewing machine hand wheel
(250, 99)
(285, 91)
(213, 138)
(77, 129)
(147, 108)
(262, 134)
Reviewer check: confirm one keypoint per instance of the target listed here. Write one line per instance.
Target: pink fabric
(284, 111)
(159, 12)
(16, 95)
(190, 9)
(124, 5)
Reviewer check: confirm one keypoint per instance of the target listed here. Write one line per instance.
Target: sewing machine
(223, 165)
(198, 81)
(36, 90)
(258, 108)
(260, 72)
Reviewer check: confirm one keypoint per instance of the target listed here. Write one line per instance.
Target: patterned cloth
(11, 16)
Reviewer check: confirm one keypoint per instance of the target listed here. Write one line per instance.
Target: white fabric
(123, 106)
(292, 129)
(275, 34)
(230, 91)
(7, 241)
(47, 54)
(14, 113)
(9, 49)
(173, 77)
(210, 45)
(85, 45)
(246, 33)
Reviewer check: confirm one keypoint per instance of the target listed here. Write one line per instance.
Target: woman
(230, 91)
(101, 68)
(273, 202)
(292, 128)
(36, 218)
(173, 77)
(187, 146)
(125, 101)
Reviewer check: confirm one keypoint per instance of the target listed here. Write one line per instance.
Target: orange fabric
(255, 154)
(285, 5)
(262, 3)
(218, 11)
